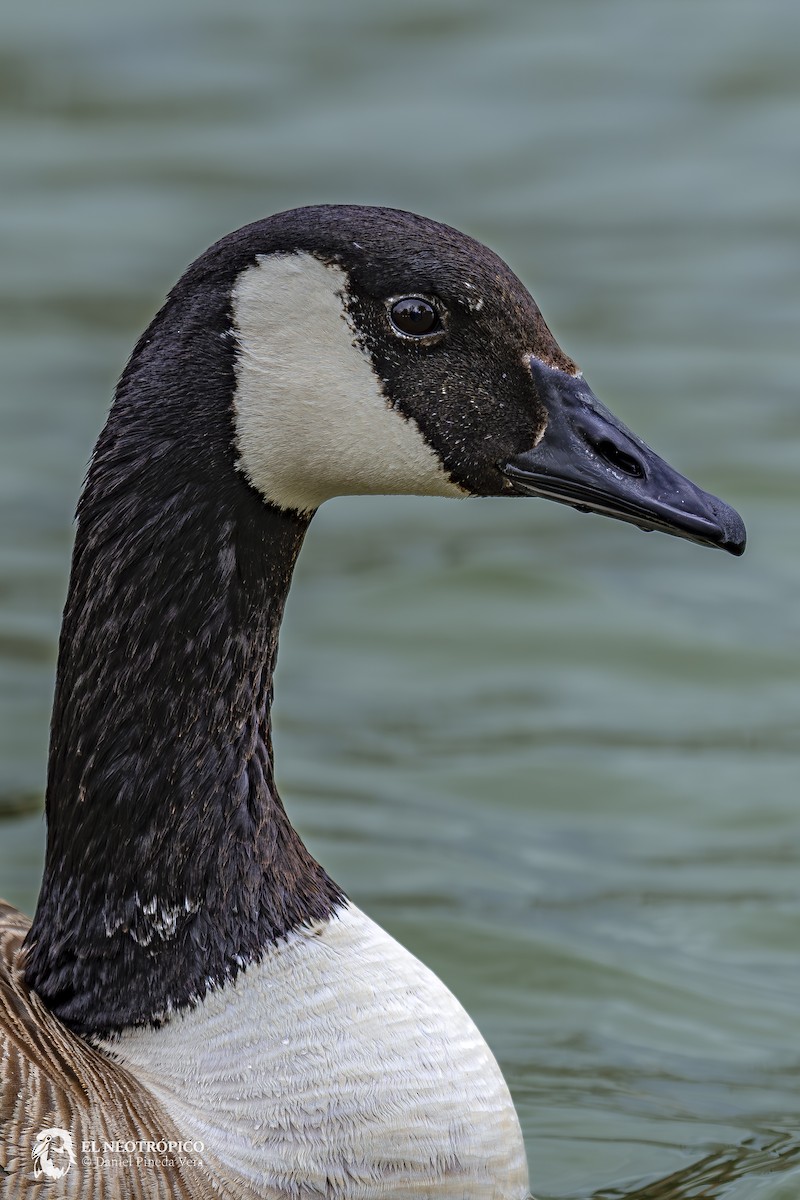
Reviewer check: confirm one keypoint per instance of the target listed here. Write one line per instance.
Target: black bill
(587, 458)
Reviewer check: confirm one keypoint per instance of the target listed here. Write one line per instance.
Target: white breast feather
(338, 1066)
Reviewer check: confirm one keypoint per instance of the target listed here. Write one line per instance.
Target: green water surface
(557, 758)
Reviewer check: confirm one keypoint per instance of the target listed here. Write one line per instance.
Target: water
(557, 758)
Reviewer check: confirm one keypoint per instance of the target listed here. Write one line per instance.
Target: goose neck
(171, 863)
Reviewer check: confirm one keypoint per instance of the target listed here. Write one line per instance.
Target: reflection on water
(557, 758)
(706, 1179)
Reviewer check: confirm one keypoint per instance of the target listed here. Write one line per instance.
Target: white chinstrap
(311, 419)
(337, 1063)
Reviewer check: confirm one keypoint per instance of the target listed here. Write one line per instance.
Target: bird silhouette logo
(53, 1153)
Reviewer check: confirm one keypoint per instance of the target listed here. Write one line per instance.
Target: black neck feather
(170, 861)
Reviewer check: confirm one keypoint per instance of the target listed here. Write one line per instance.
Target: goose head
(381, 352)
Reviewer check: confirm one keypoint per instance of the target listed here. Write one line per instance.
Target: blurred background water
(557, 758)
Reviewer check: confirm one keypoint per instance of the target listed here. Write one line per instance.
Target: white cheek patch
(311, 419)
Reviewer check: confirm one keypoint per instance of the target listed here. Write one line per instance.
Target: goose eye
(414, 316)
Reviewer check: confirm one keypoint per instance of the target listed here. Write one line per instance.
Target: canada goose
(192, 977)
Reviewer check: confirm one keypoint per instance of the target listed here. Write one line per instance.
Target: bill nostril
(619, 459)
